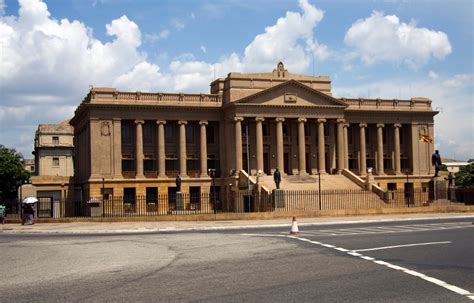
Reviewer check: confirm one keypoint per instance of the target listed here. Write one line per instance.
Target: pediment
(291, 93)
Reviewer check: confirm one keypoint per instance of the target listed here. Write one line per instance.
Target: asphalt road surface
(407, 261)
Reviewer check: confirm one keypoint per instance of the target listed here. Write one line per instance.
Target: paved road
(424, 261)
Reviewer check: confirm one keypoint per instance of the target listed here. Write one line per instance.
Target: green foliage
(443, 167)
(465, 177)
(12, 172)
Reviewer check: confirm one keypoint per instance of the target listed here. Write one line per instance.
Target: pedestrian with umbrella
(28, 210)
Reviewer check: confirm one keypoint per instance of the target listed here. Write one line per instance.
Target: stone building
(52, 181)
(135, 143)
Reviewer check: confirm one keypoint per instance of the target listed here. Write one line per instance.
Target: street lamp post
(212, 174)
(103, 197)
(407, 193)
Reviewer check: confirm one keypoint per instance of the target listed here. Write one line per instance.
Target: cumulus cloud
(383, 38)
(282, 41)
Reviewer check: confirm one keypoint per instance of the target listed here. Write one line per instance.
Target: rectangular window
(169, 134)
(210, 135)
(129, 195)
(56, 161)
(149, 165)
(151, 195)
(55, 140)
(126, 133)
(128, 165)
(265, 131)
(190, 134)
(285, 130)
(148, 133)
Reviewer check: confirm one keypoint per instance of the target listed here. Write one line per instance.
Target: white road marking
(388, 229)
(405, 245)
(435, 281)
(353, 253)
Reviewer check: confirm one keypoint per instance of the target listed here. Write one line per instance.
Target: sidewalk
(174, 226)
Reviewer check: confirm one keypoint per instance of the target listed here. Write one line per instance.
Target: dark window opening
(128, 165)
(148, 133)
(126, 133)
(210, 136)
(129, 195)
(149, 165)
(151, 195)
(169, 134)
(190, 134)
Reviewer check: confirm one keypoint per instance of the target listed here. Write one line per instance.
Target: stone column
(346, 146)
(259, 145)
(340, 145)
(182, 148)
(161, 149)
(238, 143)
(117, 148)
(203, 149)
(380, 170)
(321, 155)
(396, 135)
(301, 147)
(279, 142)
(363, 152)
(139, 149)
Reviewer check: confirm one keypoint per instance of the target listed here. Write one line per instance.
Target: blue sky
(51, 51)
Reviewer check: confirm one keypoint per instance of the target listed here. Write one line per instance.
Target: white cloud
(433, 75)
(153, 37)
(459, 80)
(2, 7)
(178, 25)
(383, 38)
(282, 41)
(203, 49)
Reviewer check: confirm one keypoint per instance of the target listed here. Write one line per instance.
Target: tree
(12, 172)
(465, 177)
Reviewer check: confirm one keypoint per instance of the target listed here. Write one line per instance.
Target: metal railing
(233, 202)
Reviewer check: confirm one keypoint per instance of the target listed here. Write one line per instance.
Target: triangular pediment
(291, 93)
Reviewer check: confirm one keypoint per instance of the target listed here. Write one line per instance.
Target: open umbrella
(30, 200)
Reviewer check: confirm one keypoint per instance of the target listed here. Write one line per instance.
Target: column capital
(182, 122)
(321, 120)
(280, 119)
(340, 120)
(362, 125)
(139, 122)
(203, 122)
(302, 120)
(397, 125)
(380, 125)
(259, 119)
(238, 119)
(116, 119)
(160, 122)
(346, 125)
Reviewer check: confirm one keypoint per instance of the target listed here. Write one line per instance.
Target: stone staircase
(338, 192)
(310, 182)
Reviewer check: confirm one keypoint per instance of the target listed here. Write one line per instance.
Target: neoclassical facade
(136, 143)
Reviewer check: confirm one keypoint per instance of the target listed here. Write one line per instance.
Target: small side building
(52, 180)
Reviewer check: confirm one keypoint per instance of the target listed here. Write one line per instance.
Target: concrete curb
(143, 230)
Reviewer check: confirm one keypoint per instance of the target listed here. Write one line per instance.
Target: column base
(323, 172)
(303, 173)
(204, 176)
(139, 176)
(162, 176)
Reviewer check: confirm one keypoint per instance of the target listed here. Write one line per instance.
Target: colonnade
(161, 148)
(342, 151)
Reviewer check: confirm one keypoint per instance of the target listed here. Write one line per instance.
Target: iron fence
(232, 202)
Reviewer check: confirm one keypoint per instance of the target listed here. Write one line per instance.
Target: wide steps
(310, 182)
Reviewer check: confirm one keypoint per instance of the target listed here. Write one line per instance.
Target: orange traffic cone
(294, 227)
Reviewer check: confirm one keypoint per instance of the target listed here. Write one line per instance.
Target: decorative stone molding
(139, 122)
(340, 120)
(238, 119)
(259, 119)
(321, 120)
(362, 125)
(380, 125)
(182, 122)
(161, 122)
(203, 122)
(302, 120)
(280, 119)
(397, 125)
